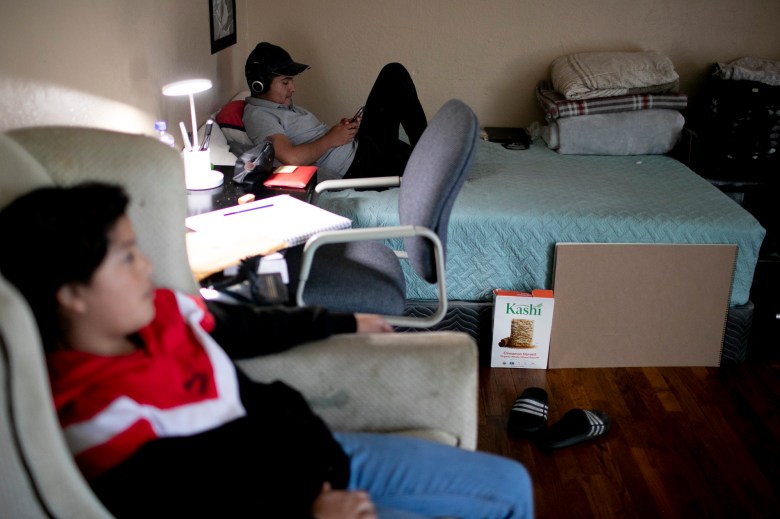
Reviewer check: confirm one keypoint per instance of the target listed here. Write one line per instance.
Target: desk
(210, 253)
(229, 192)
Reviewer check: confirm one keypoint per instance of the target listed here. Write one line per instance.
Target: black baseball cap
(272, 59)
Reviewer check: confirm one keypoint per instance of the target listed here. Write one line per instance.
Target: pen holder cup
(197, 170)
(196, 162)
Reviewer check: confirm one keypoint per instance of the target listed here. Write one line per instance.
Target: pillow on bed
(604, 74)
(230, 121)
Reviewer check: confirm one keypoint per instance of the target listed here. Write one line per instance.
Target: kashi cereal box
(522, 323)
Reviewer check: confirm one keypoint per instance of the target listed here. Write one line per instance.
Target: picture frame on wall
(222, 18)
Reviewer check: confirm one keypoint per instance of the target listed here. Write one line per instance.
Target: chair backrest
(152, 174)
(38, 477)
(433, 177)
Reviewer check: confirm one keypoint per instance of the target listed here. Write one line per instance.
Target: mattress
(516, 205)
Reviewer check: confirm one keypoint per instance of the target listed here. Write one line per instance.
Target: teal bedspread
(516, 205)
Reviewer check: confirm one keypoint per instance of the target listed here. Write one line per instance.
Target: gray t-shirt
(264, 118)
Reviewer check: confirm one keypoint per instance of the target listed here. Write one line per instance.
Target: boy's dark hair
(54, 236)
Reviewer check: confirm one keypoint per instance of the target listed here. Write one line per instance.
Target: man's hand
(342, 504)
(370, 323)
(342, 133)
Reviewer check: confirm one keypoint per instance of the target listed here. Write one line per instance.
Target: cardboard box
(637, 305)
(522, 324)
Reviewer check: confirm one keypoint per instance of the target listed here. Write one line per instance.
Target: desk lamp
(197, 163)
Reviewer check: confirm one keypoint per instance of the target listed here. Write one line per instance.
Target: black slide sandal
(576, 426)
(529, 412)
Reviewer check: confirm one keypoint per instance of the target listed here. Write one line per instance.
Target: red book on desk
(291, 176)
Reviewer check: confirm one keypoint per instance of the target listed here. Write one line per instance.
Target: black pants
(392, 103)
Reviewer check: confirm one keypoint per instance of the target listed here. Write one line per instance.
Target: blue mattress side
(516, 205)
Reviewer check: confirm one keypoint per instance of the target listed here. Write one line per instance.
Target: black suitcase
(737, 123)
(734, 142)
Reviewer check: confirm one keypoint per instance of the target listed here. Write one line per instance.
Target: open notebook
(280, 217)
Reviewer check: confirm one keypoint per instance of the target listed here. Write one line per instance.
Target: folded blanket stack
(612, 103)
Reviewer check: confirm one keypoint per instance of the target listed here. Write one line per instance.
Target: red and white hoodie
(179, 384)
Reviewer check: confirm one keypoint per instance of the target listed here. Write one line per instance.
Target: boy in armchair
(162, 423)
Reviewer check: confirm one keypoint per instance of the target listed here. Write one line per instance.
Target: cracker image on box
(522, 324)
(522, 335)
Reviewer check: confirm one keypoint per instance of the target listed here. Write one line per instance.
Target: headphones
(258, 77)
(260, 86)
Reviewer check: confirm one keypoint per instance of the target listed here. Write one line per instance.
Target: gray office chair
(353, 271)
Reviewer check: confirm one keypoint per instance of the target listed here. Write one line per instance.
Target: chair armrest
(351, 183)
(384, 382)
(39, 476)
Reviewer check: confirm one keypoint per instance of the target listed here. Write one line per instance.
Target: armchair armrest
(384, 382)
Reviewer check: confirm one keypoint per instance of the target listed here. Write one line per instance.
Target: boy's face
(281, 90)
(119, 299)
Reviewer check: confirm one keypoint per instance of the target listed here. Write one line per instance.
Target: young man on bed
(365, 145)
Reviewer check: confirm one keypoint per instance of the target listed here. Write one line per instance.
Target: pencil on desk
(238, 211)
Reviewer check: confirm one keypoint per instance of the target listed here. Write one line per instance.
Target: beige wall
(491, 53)
(102, 63)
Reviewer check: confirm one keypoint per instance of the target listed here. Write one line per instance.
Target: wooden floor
(685, 442)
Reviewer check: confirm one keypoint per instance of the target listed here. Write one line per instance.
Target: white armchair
(412, 383)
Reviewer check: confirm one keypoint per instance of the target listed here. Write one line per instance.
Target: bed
(516, 205)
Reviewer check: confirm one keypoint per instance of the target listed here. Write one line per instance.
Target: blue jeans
(411, 478)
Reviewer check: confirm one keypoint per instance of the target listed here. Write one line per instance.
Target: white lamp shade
(186, 87)
(197, 166)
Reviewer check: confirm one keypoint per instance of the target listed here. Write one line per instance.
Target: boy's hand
(342, 504)
(370, 323)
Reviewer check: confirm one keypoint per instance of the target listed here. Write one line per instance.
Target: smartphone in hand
(358, 115)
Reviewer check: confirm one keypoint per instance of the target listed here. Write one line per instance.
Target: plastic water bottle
(161, 127)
